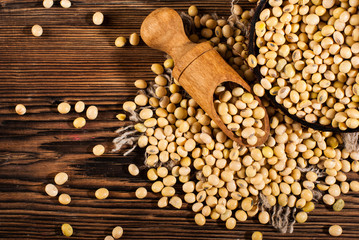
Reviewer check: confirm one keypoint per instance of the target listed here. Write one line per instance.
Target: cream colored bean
(65, 3)
(48, 3)
(354, 186)
(51, 190)
(120, 41)
(176, 202)
(79, 106)
(102, 193)
(133, 170)
(141, 192)
(20, 109)
(257, 236)
(98, 150)
(335, 230)
(121, 117)
(301, 217)
(98, 18)
(79, 122)
(117, 232)
(64, 108)
(134, 39)
(129, 106)
(192, 10)
(64, 199)
(92, 112)
(36, 30)
(200, 219)
(67, 230)
(163, 202)
(61, 178)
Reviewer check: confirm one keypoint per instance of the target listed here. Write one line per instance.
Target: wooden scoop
(198, 67)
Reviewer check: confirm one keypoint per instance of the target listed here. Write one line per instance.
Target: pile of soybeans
(278, 182)
(309, 59)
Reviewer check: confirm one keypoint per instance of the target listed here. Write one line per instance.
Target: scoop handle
(163, 30)
(198, 67)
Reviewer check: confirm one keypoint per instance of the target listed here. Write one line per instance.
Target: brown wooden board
(76, 60)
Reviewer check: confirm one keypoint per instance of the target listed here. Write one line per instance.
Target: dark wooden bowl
(253, 49)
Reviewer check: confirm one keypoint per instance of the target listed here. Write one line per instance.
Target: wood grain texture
(76, 60)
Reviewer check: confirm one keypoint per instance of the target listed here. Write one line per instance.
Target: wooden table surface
(76, 60)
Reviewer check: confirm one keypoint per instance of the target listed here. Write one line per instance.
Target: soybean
(64, 199)
(51, 190)
(338, 205)
(98, 150)
(36, 30)
(79, 122)
(120, 42)
(61, 178)
(141, 192)
(117, 232)
(65, 3)
(64, 108)
(67, 230)
(102, 193)
(79, 106)
(92, 112)
(48, 3)
(20, 109)
(335, 230)
(134, 39)
(97, 18)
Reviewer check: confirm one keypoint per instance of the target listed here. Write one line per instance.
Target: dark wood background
(76, 60)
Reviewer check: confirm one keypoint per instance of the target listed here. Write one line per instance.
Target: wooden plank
(75, 60)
